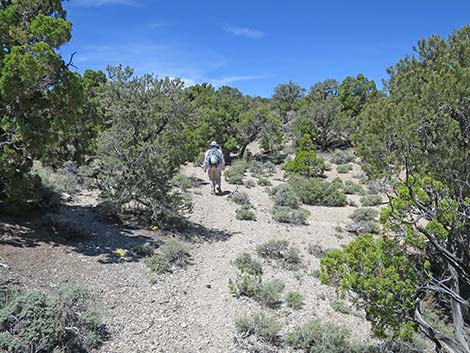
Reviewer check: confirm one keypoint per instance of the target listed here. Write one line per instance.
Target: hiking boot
(219, 190)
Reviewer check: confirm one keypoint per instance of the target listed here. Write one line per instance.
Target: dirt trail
(190, 310)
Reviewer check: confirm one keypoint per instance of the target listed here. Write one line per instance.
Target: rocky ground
(190, 310)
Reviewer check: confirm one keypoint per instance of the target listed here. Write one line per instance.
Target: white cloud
(245, 32)
(192, 66)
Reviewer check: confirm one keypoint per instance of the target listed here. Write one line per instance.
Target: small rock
(208, 286)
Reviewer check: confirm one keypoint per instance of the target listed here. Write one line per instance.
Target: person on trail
(214, 163)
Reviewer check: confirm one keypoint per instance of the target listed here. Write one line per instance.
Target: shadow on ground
(86, 231)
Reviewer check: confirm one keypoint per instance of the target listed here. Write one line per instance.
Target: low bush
(236, 172)
(146, 249)
(284, 195)
(181, 181)
(306, 163)
(371, 200)
(66, 227)
(269, 293)
(363, 227)
(273, 249)
(351, 188)
(294, 300)
(343, 157)
(337, 183)
(318, 337)
(157, 263)
(341, 307)
(173, 254)
(344, 168)
(318, 193)
(245, 214)
(260, 325)
(246, 264)
(262, 181)
(252, 286)
(316, 250)
(283, 214)
(259, 168)
(240, 198)
(374, 187)
(58, 181)
(279, 250)
(364, 215)
(65, 320)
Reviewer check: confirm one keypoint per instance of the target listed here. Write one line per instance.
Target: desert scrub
(146, 249)
(344, 168)
(245, 213)
(280, 251)
(236, 172)
(351, 188)
(261, 325)
(318, 337)
(37, 321)
(371, 200)
(262, 181)
(69, 228)
(247, 264)
(294, 300)
(173, 254)
(343, 157)
(318, 193)
(258, 168)
(57, 181)
(240, 198)
(251, 286)
(269, 293)
(284, 195)
(306, 163)
(364, 214)
(289, 215)
(341, 307)
(181, 181)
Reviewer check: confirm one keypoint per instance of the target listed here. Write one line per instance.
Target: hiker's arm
(222, 164)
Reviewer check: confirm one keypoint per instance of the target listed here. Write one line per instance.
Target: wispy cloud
(245, 32)
(192, 66)
(97, 3)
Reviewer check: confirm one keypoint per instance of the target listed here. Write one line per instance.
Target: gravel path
(190, 310)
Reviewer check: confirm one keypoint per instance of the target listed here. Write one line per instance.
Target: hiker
(214, 163)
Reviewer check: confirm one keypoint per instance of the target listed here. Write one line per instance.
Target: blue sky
(255, 45)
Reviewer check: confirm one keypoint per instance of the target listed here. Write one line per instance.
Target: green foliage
(39, 94)
(173, 254)
(351, 188)
(264, 182)
(149, 138)
(422, 124)
(343, 157)
(246, 264)
(344, 168)
(57, 181)
(287, 98)
(284, 195)
(305, 163)
(364, 214)
(240, 198)
(371, 200)
(157, 263)
(236, 172)
(284, 214)
(251, 286)
(245, 214)
(40, 321)
(317, 337)
(294, 300)
(386, 285)
(321, 121)
(341, 307)
(258, 168)
(269, 293)
(317, 192)
(181, 181)
(279, 250)
(260, 325)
